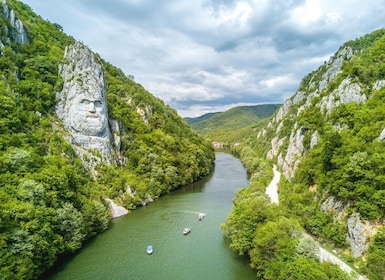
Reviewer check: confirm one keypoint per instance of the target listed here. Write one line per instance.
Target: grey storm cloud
(210, 55)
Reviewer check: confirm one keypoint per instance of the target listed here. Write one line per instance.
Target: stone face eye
(98, 103)
(85, 101)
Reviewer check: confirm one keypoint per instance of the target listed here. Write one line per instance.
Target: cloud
(207, 55)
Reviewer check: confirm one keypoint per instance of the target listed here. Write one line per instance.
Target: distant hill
(199, 119)
(232, 119)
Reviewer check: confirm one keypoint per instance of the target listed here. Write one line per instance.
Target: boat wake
(192, 212)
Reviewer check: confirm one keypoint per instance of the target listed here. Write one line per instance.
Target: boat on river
(186, 230)
(150, 249)
(201, 216)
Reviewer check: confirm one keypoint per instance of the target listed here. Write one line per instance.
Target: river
(120, 252)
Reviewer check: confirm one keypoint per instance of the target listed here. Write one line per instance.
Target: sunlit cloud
(208, 55)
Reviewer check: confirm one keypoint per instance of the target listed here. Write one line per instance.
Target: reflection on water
(120, 252)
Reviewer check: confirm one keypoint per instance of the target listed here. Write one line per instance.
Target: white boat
(186, 230)
(150, 249)
(201, 216)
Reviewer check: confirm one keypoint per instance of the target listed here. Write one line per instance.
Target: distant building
(217, 145)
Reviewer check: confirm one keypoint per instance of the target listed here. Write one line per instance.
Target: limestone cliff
(82, 104)
(82, 107)
(18, 33)
(348, 91)
(321, 93)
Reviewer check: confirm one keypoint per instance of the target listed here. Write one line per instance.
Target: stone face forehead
(83, 75)
(81, 62)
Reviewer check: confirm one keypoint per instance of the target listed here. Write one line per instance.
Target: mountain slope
(191, 121)
(328, 141)
(54, 192)
(234, 118)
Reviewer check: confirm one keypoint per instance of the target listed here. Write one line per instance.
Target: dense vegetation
(234, 118)
(162, 154)
(347, 163)
(234, 125)
(271, 237)
(49, 202)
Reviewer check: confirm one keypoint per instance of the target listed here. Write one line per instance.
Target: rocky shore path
(324, 255)
(272, 188)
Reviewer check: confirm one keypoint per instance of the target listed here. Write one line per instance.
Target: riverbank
(121, 251)
(323, 255)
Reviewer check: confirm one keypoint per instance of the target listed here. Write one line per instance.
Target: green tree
(70, 225)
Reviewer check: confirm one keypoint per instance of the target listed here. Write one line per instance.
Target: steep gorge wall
(18, 34)
(288, 151)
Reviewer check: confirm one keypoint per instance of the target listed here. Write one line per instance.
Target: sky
(202, 56)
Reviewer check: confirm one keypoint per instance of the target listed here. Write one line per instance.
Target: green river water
(120, 252)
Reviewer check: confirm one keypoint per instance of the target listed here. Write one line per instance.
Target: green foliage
(235, 128)
(346, 163)
(274, 244)
(248, 212)
(50, 204)
(233, 119)
(303, 269)
(376, 257)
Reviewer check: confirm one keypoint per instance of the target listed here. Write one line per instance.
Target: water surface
(120, 252)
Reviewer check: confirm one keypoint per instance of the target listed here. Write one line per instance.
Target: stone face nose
(91, 109)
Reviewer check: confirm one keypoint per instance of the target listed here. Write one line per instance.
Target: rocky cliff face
(82, 105)
(359, 233)
(348, 91)
(82, 108)
(18, 33)
(288, 149)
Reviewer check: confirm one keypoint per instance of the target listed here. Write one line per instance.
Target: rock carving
(82, 104)
(82, 107)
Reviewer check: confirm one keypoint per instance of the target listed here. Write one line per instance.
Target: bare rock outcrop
(82, 107)
(116, 210)
(293, 153)
(358, 235)
(347, 92)
(275, 144)
(82, 104)
(382, 135)
(19, 34)
(335, 207)
(334, 66)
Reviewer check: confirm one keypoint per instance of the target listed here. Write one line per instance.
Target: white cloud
(200, 56)
(277, 82)
(238, 15)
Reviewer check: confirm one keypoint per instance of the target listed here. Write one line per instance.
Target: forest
(50, 203)
(347, 164)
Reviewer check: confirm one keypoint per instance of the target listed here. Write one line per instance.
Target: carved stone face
(82, 102)
(88, 113)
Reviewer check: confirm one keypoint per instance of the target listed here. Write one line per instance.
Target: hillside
(199, 119)
(328, 142)
(78, 140)
(234, 118)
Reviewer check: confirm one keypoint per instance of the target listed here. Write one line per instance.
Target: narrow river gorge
(120, 252)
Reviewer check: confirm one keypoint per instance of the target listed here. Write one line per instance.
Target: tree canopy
(50, 203)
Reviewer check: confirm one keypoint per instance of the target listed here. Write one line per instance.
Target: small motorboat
(186, 230)
(201, 216)
(150, 249)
